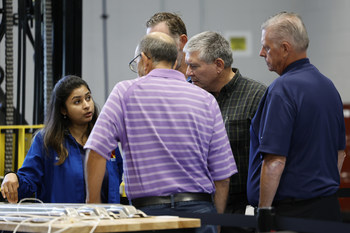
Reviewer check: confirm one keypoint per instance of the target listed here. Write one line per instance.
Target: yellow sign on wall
(240, 43)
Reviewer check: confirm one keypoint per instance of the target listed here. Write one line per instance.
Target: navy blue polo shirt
(300, 117)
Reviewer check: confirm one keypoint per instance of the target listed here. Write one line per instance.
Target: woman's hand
(9, 187)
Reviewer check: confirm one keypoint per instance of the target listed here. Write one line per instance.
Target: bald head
(158, 46)
(161, 36)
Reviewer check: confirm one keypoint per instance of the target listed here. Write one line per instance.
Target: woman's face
(79, 106)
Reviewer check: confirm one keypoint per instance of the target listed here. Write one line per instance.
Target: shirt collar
(296, 64)
(167, 73)
(229, 87)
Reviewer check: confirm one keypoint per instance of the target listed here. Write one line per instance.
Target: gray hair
(288, 27)
(158, 49)
(210, 45)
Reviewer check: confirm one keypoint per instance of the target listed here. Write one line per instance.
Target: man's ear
(220, 64)
(146, 63)
(175, 65)
(286, 48)
(183, 40)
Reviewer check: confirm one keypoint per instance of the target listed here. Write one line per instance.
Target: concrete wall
(327, 23)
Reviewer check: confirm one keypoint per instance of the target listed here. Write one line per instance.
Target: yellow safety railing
(24, 142)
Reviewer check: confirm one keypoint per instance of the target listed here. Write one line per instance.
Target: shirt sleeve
(276, 126)
(31, 172)
(221, 162)
(108, 127)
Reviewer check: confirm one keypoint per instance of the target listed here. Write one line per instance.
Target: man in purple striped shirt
(176, 150)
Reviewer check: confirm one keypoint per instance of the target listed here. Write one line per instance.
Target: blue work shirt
(62, 183)
(300, 117)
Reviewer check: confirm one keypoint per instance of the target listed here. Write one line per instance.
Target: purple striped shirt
(172, 135)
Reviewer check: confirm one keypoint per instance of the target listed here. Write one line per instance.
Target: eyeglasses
(133, 64)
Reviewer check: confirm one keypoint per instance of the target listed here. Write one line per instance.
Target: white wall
(327, 23)
(329, 31)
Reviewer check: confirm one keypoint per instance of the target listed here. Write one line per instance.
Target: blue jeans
(186, 206)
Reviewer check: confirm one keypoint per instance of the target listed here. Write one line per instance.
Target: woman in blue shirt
(53, 169)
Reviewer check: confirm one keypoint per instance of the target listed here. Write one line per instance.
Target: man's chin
(197, 84)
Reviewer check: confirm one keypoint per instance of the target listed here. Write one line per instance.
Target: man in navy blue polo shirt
(298, 133)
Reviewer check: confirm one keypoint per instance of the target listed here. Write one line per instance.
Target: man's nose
(189, 71)
(262, 52)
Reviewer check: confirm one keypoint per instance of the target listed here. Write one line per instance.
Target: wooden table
(117, 225)
(83, 218)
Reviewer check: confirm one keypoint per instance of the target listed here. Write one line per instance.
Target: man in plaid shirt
(209, 60)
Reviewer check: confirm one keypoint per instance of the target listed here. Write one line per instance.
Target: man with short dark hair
(171, 24)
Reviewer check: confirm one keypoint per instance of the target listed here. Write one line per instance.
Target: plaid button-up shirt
(238, 101)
